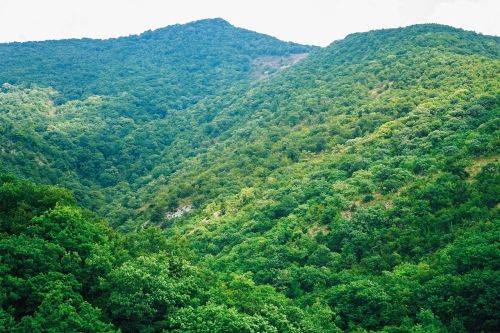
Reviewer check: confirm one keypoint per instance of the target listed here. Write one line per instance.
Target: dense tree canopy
(357, 190)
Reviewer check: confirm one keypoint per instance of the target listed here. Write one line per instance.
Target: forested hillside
(65, 270)
(354, 190)
(166, 69)
(96, 115)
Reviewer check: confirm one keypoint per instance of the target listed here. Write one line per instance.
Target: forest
(206, 178)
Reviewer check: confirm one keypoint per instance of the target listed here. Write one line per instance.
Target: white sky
(316, 22)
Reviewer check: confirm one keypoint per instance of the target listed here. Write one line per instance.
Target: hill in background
(166, 69)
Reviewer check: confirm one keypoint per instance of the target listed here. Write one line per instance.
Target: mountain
(346, 92)
(355, 189)
(106, 110)
(168, 68)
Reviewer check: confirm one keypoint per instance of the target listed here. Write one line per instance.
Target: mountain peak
(215, 21)
(185, 55)
(208, 23)
(428, 35)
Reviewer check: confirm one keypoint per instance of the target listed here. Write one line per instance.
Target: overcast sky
(316, 22)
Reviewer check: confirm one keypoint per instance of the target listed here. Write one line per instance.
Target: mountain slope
(65, 270)
(366, 174)
(347, 91)
(356, 190)
(169, 68)
(102, 112)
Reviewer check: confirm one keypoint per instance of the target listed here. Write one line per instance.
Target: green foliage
(145, 290)
(64, 271)
(217, 319)
(356, 191)
(172, 67)
(43, 249)
(61, 312)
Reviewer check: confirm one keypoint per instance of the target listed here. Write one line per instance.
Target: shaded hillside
(102, 112)
(168, 68)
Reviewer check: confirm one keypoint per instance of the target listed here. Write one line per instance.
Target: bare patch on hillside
(265, 66)
(318, 229)
(380, 88)
(478, 164)
(52, 108)
(179, 212)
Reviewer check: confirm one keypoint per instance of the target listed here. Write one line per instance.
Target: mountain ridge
(82, 67)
